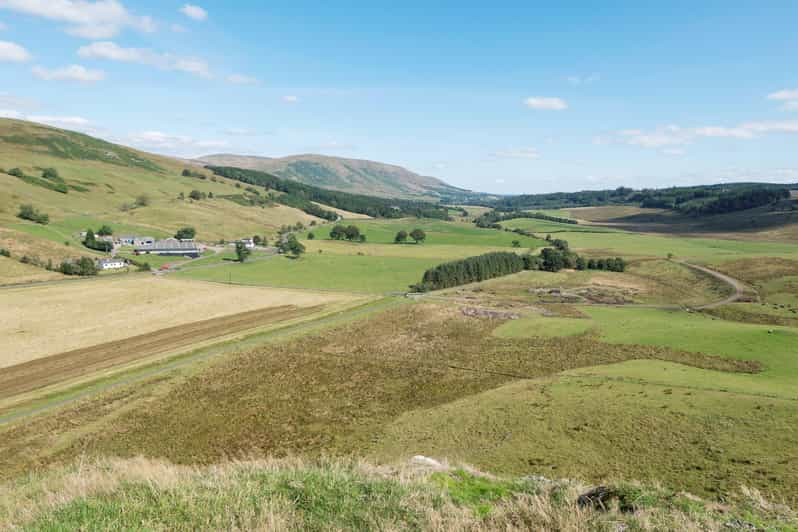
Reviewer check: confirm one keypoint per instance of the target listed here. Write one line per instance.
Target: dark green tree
(186, 233)
(418, 235)
(401, 237)
(105, 230)
(242, 252)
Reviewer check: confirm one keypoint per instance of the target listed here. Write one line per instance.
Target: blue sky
(504, 97)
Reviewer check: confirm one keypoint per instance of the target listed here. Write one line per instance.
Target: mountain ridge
(360, 176)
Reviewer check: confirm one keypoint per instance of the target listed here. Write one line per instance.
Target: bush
(186, 233)
(28, 212)
(83, 267)
(5, 253)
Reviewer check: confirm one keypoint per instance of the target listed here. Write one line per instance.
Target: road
(738, 286)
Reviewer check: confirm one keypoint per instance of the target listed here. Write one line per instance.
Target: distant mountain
(348, 175)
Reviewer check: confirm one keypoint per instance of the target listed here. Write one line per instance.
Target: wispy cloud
(290, 99)
(241, 79)
(10, 101)
(674, 135)
(68, 122)
(3, 27)
(101, 19)
(194, 12)
(144, 56)
(176, 144)
(177, 28)
(542, 103)
(518, 153)
(69, 73)
(240, 132)
(789, 97)
(583, 80)
(13, 53)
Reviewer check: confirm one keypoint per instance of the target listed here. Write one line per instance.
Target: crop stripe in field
(155, 369)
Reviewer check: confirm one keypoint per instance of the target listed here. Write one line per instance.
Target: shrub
(186, 233)
(29, 212)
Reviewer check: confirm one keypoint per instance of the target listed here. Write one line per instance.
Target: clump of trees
(186, 233)
(5, 253)
(29, 212)
(83, 267)
(191, 173)
(291, 246)
(91, 242)
(351, 233)
(105, 230)
(49, 179)
(197, 195)
(418, 236)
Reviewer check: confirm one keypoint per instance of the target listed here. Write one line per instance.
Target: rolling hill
(347, 175)
(96, 182)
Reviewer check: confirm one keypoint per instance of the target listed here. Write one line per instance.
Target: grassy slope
(114, 180)
(341, 495)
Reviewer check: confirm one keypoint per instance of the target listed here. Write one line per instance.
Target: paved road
(739, 287)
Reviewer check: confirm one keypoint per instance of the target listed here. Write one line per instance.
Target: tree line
(491, 219)
(497, 264)
(301, 196)
(694, 200)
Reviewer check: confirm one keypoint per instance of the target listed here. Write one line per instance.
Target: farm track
(738, 286)
(69, 365)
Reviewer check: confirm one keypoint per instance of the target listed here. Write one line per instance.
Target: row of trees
(418, 236)
(554, 260)
(470, 270)
(84, 266)
(302, 196)
(29, 212)
(491, 219)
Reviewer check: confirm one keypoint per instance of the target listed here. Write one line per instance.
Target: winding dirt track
(80, 362)
(739, 287)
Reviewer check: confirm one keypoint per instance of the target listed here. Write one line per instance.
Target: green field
(438, 233)
(541, 326)
(322, 271)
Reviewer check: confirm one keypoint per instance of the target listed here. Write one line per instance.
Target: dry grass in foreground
(290, 494)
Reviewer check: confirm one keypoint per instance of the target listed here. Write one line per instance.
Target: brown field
(62, 367)
(40, 321)
(13, 272)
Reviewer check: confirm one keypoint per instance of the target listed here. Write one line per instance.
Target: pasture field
(543, 227)
(322, 271)
(90, 312)
(438, 233)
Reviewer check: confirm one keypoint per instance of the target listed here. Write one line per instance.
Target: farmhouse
(111, 264)
(170, 247)
(248, 243)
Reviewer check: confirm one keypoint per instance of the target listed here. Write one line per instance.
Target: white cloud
(729, 132)
(240, 132)
(241, 79)
(788, 96)
(674, 152)
(144, 56)
(9, 113)
(290, 99)
(194, 12)
(784, 95)
(13, 52)
(673, 135)
(518, 153)
(74, 121)
(159, 140)
(546, 103)
(100, 19)
(69, 73)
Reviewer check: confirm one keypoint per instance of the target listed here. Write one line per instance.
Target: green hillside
(96, 182)
(347, 175)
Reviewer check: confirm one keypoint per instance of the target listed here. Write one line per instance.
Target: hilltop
(337, 173)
